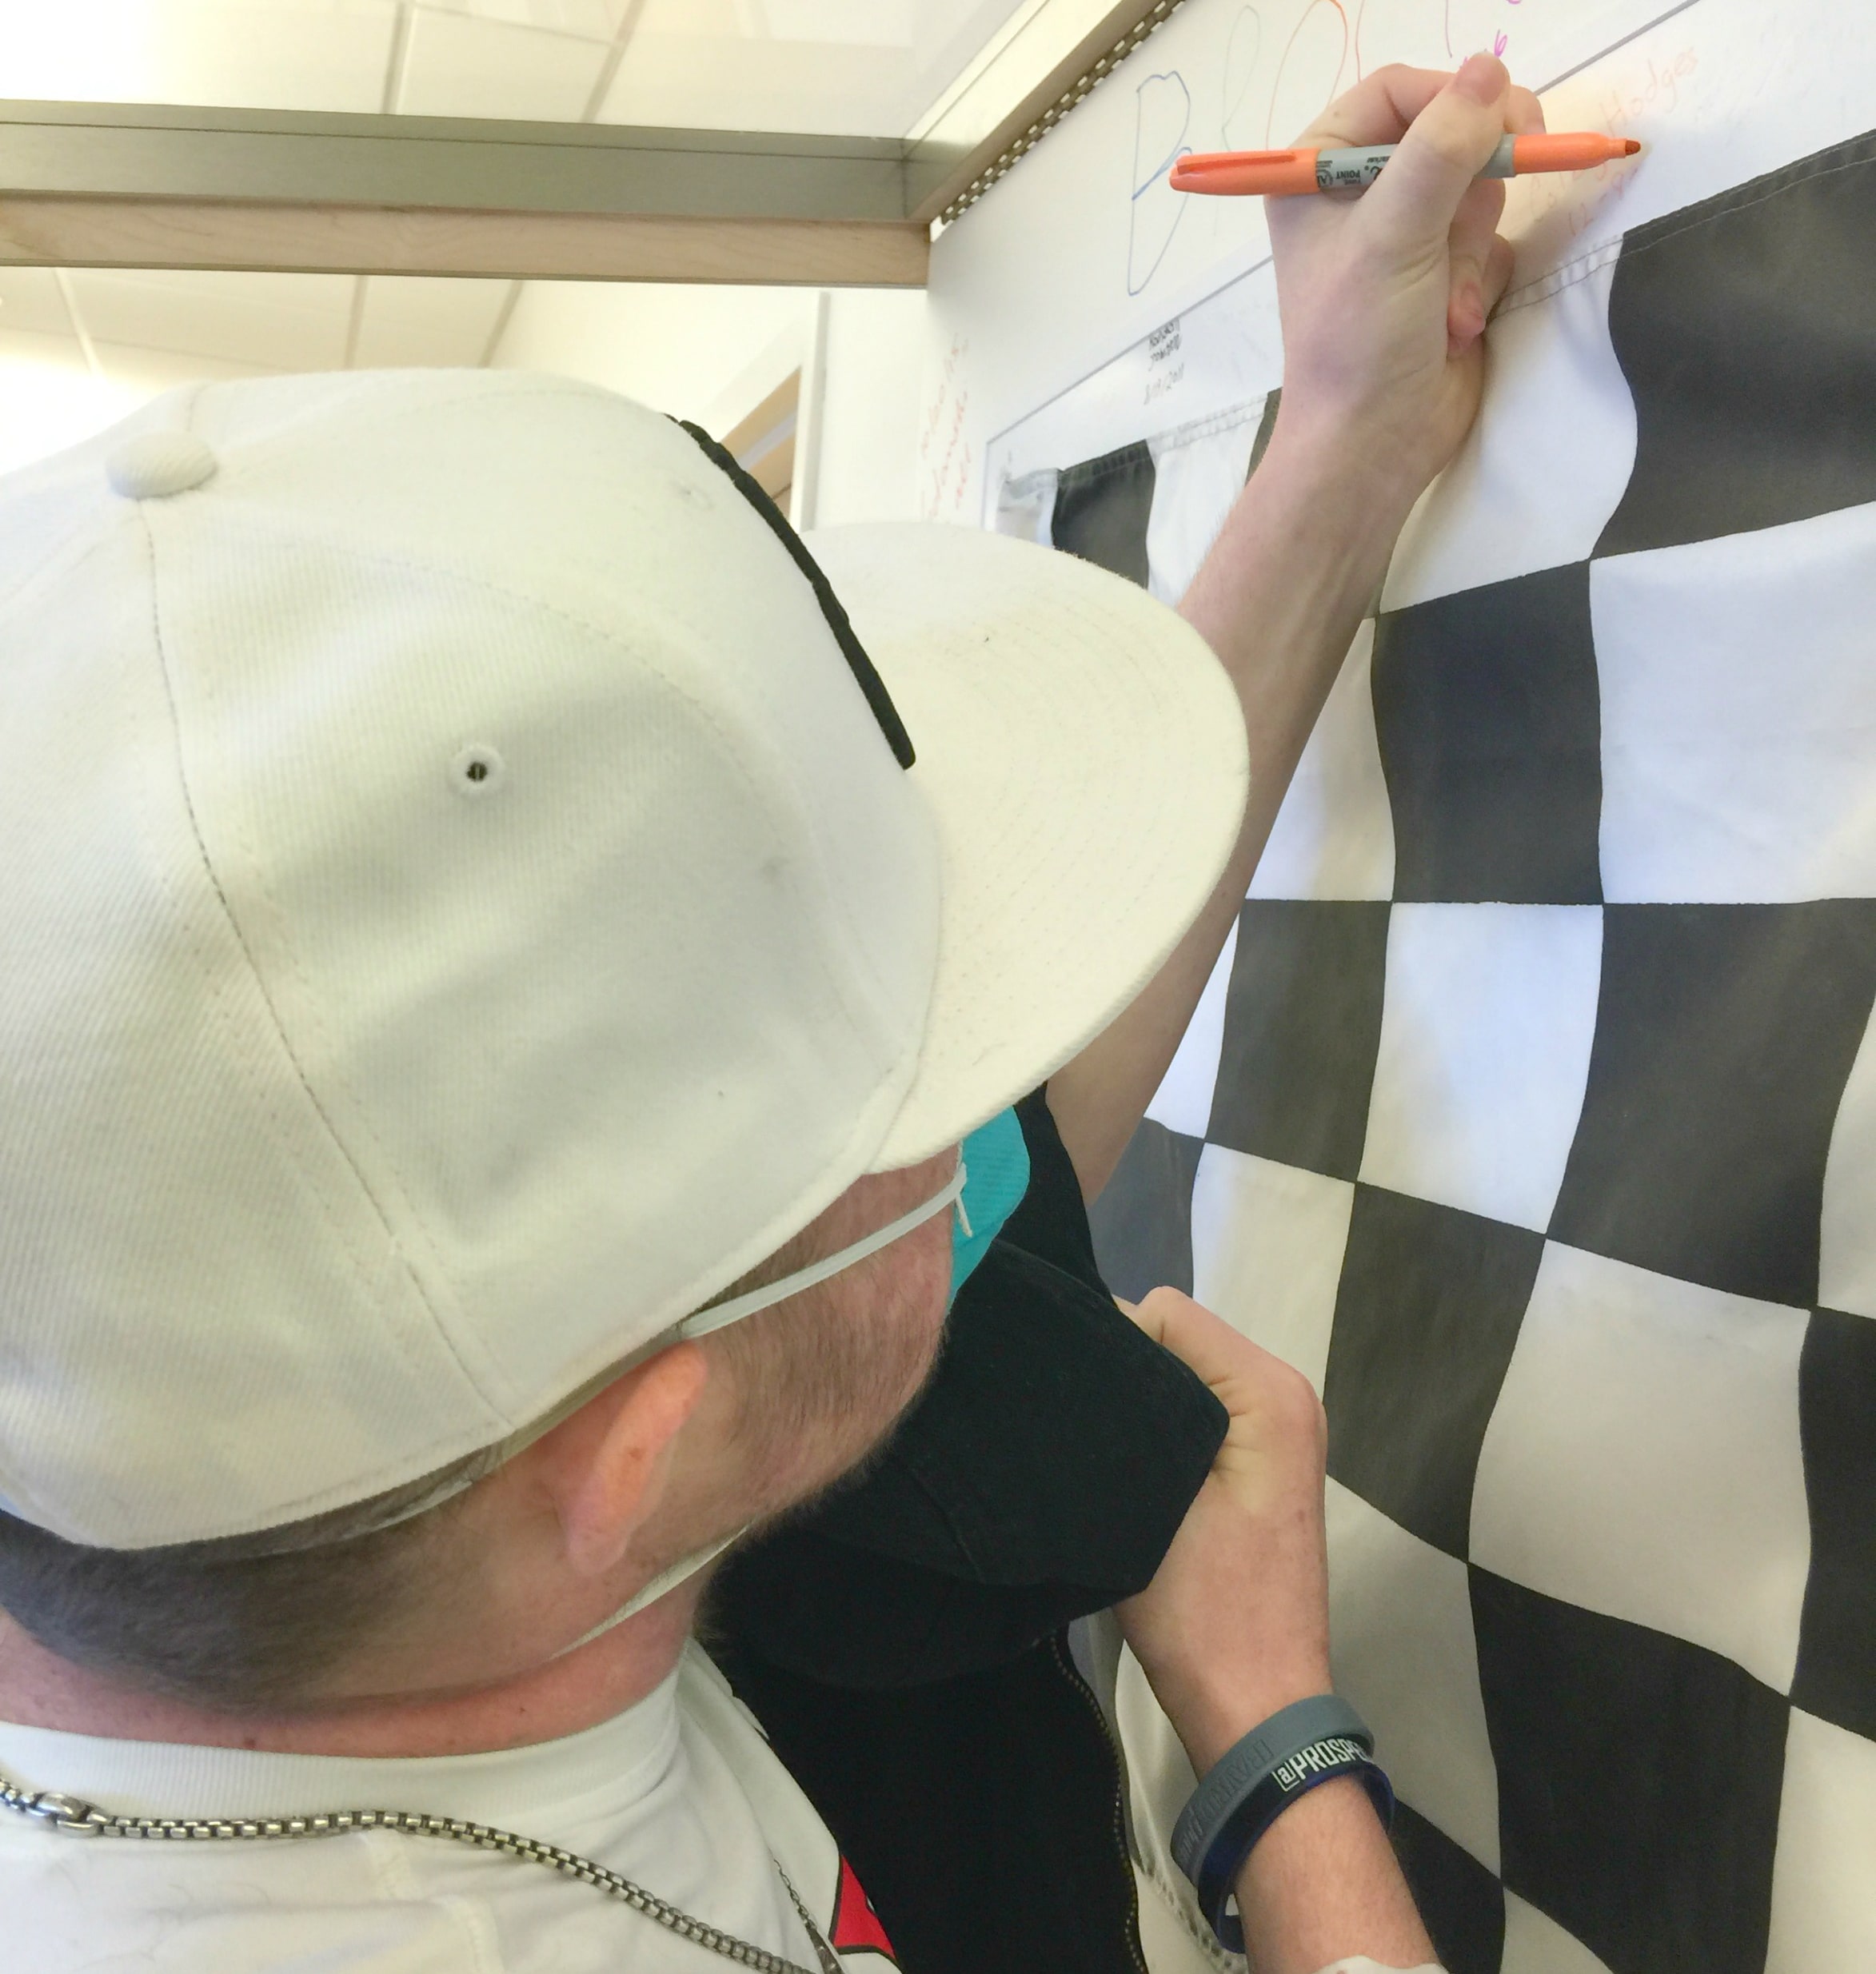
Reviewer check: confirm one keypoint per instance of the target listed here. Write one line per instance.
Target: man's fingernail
(1482, 78)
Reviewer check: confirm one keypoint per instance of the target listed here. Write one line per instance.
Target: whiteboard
(1046, 297)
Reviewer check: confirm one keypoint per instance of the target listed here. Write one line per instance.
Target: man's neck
(560, 1697)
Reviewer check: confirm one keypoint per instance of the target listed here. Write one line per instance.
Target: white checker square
(1846, 1244)
(1535, 1944)
(1026, 507)
(1334, 835)
(1182, 1102)
(1400, 1636)
(1825, 1861)
(1738, 708)
(1643, 1460)
(1486, 1034)
(1554, 394)
(1268, 1243)
(1196, 476)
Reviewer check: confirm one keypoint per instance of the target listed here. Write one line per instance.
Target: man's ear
(609, 1470)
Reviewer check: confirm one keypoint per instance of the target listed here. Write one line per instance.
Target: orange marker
(1280, 174)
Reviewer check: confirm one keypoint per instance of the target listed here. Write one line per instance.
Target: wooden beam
(107, 184)
(78, 231)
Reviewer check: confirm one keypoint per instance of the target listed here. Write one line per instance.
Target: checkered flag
(1532, 1109)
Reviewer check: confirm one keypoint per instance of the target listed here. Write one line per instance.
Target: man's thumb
(1443, 150)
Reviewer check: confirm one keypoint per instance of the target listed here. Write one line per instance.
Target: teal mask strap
(996, 1162)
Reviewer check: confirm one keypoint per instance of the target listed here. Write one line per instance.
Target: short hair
(248, 1624)
(237, 1623)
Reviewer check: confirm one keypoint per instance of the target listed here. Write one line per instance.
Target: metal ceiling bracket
(153, 186)
(109, 185)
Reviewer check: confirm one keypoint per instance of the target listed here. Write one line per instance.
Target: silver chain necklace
(86, 1820)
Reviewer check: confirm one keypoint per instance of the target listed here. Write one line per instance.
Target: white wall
(869, 418)
(714, 353)
(681, 349)
(1085, 248)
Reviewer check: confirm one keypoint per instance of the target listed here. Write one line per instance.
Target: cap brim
(1083, 753)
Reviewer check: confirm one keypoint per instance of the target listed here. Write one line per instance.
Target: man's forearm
(1322, 1885)
(1279, 599)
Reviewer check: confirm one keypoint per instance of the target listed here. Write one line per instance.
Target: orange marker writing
(1280, 174)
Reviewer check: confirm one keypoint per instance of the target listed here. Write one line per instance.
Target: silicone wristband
(1245, 1763)
(1310, 1742)
(1323, 1761)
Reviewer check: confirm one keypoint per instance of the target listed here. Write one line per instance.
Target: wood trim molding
(748, 439)
(80, 231)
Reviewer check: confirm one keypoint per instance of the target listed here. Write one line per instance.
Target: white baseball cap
(463, 906)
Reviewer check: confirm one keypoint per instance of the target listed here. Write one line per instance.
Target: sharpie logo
(1345, 174)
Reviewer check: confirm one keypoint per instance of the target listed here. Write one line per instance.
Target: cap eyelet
(478, 769)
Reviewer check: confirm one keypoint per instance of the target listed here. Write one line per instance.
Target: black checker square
(1639, 1783)
(1142, 1221)
(1462, 1904)
(1743, 326)
(1302, 1029)
(1488, 713)
(1836, 1678)
(1427, 1317)
(1725, 1034)
(1101, 511)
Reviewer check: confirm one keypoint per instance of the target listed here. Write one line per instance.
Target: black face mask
(1041, 1477)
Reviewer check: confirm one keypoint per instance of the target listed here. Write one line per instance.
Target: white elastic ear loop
(725, 1313)
(662, 1585)
(721, 1315)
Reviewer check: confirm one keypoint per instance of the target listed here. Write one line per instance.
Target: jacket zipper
(1072, 1673)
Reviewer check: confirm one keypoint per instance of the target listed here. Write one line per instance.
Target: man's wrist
(1212, 1716)
(1338, 474)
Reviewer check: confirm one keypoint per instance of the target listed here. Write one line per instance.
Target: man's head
(471, 896)
(700, 1442)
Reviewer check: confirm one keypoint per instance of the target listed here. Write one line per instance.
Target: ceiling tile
(274, 321)
(860, 67)
(26, 347)
(596, 19)
(150, 372)
(413, 319)
(684, 80)
(263, 54)
(456, 65)
(29, 300)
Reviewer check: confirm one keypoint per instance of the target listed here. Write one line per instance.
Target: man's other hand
(1384, 295)
(1236, 1624)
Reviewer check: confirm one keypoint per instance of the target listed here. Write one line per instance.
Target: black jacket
(904, 1640)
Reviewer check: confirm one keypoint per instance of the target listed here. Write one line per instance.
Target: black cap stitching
(861, 666)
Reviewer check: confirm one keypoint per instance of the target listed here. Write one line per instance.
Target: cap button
(155, 464)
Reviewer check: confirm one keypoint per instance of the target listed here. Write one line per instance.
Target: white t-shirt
(680, 1793)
